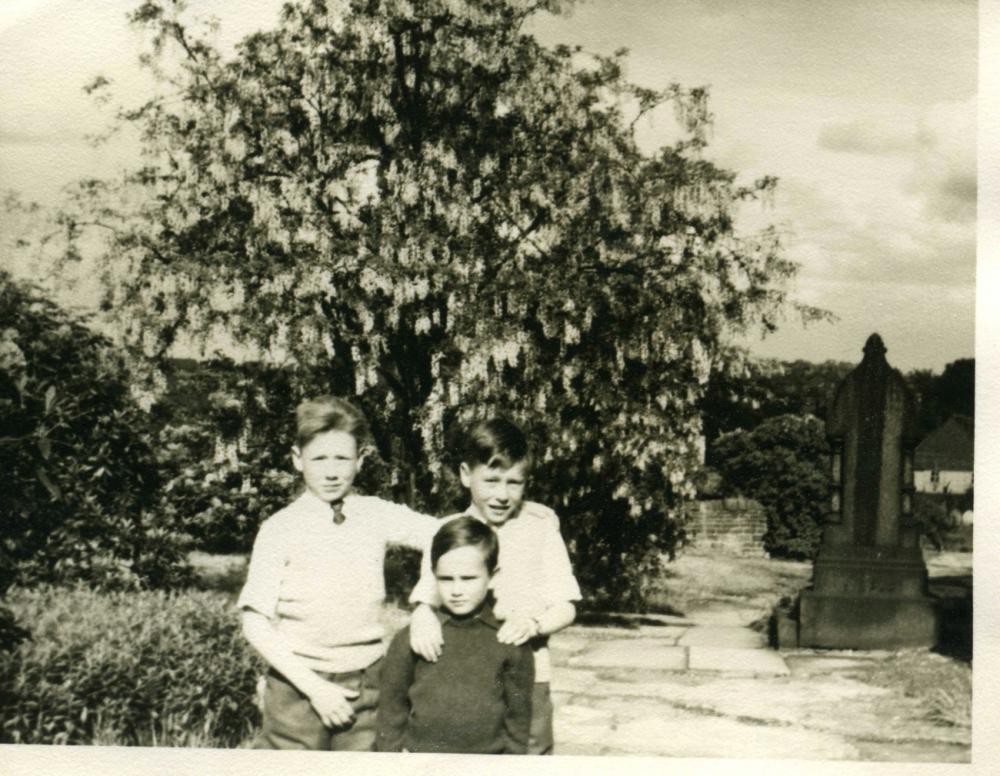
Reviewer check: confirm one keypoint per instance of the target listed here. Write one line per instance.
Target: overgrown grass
(696, 578)
(942, 686)
(223, 573)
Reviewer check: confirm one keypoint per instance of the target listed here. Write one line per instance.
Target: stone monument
(869, 588)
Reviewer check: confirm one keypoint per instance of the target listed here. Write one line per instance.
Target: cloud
(874, 239)
(944, 173)
(940, 146)
(866, 137)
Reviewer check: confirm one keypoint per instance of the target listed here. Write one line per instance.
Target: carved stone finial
(874, 347)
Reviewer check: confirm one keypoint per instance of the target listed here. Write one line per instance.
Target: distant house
(942, 462)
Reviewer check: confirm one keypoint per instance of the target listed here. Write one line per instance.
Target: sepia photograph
(571, 378)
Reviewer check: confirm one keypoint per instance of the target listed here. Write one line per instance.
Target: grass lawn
(695, 579)
(225, 573)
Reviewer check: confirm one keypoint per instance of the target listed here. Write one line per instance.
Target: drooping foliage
(419, 205)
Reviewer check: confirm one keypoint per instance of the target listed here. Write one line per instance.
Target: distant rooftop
(949, 447)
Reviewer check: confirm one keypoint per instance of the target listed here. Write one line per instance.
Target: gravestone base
(866, 603)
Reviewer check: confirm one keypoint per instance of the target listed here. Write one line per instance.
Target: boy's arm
(328, 699)
(412, 529)
(519, 629)
(407, 527)
(561, 590)
(258, 600)
(425, 629)
(393, 701)
(518, 684)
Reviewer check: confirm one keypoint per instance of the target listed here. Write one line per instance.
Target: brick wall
(733, 526)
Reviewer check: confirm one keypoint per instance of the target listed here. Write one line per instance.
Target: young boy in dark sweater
(477, 697)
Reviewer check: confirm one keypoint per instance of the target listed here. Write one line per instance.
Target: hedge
(136, 668)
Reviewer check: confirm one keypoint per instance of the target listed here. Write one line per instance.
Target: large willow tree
(415, 203)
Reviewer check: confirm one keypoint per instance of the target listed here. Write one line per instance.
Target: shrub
(938, 516)
(138, 668)
(782, 463)
(80, 475)
(223, 506)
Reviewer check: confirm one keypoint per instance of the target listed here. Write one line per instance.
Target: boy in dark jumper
(477, 697)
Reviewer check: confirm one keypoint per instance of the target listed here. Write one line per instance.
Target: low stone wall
(733, 526)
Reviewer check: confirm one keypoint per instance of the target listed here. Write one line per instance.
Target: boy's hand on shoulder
(331, 703)
(518, 630)
(425, 633)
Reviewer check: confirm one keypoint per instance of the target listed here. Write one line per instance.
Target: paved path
(707, 686)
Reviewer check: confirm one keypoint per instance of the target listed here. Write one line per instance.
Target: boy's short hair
(495, 442)
(329, 413)
(466, 531)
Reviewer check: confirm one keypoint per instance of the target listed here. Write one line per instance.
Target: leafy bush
(138, 668)
(223, 506)
(938, 516)
(782, 463)
(80, 475)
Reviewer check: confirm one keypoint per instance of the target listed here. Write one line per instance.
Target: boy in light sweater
(314, 590)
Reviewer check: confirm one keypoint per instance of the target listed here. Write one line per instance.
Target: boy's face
(462, 579)
(496, 492)
(329, 463)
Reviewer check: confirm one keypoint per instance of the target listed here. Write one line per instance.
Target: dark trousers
(291, 723)
(540, 740)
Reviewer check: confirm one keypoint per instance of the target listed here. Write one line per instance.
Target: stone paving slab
(636, 727)
(571, 680)
(760, 662)
(591, 633)
(820, 665)
(632, 653)
(723, 613)
(635, 683)
(777, 700)
(722, 636)
(701, 737)
(664, 632)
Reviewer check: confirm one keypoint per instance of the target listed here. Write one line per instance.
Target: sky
(866, 112)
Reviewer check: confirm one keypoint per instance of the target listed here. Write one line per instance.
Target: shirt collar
(471, 512)
(314, 505)
(484, 615)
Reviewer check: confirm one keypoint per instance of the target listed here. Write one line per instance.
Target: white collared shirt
(321, 583)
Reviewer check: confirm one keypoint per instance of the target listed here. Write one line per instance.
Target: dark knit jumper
(475, 699)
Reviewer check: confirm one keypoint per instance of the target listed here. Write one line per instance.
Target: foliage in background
(939, 516)
(135, 668)
(769, 387)
(224, 433)
(80, 475)
(419, 205)
(783, 464)
(953, 392)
